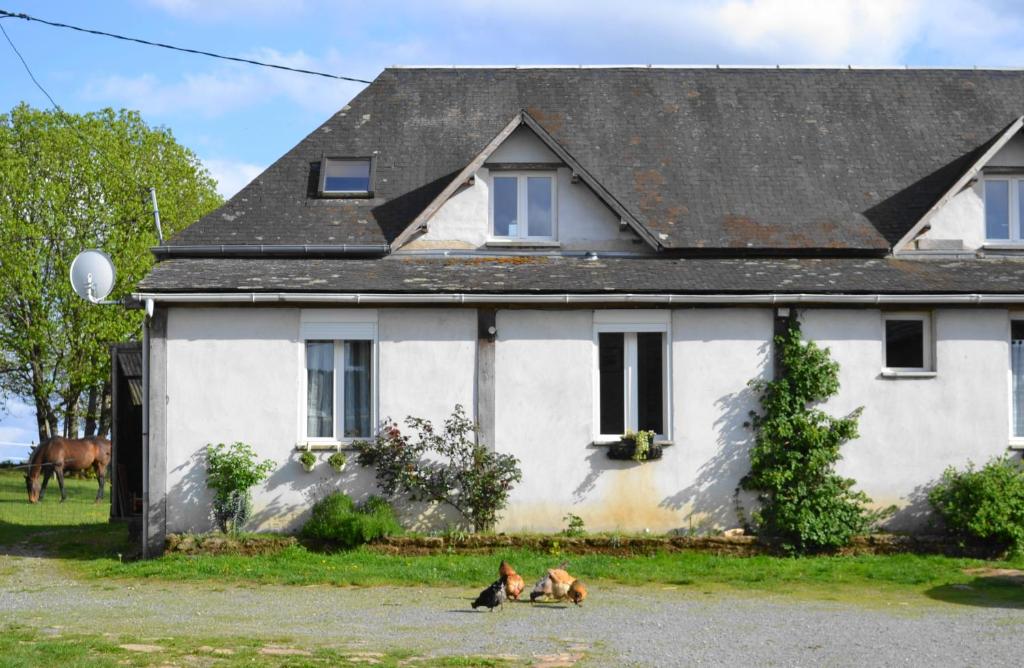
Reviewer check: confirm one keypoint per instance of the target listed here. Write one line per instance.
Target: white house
(573, 252)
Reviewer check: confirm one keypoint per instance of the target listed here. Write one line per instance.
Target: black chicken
(492, 597)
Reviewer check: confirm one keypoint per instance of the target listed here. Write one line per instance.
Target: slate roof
(534, 275)
(734, 159)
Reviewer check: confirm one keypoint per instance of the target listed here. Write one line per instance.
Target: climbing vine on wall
(804, 505)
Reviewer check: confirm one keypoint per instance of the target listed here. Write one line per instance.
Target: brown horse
(59, 454)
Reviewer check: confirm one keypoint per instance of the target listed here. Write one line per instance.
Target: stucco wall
(234, 374)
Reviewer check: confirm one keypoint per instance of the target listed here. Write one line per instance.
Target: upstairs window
(908, 342)
(345, 177)
(523, 206)
(1004, 209)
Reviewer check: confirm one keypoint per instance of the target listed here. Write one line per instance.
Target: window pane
(611, 368)
(997, 209)
(347, 176)
(650, 404)
(505, 207)
(1017, 367)
(319, 389)
(904, 344)
(1020, 209)
(357, 388)
(538, 196)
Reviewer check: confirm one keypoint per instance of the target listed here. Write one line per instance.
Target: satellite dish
(92, 275)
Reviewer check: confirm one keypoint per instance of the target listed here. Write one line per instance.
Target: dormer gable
(524, 192)
(984, 209)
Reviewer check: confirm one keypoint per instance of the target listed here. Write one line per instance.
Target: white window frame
(324, 192)
(1014, 186)
(522, 210)
(627, 322)
(1016, 442)
(927, 339)
(337, 325)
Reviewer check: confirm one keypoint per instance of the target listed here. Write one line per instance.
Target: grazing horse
(59, 454)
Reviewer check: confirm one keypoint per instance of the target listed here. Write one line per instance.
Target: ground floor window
(908, 344)
(339, 377)
(1017, 376)
(632, 381)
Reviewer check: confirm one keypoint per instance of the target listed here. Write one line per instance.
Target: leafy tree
(805, 506)
(447, 466)
(70, 182)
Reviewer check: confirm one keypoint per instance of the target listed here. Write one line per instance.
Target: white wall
(234, 374)
(583, 221)
(913, 428)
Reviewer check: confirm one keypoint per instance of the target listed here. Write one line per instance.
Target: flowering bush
(447, 466)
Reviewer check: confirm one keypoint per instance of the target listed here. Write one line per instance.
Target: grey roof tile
(831, 160)
(535, 275)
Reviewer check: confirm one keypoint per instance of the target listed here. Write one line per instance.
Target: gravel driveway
(648, 626)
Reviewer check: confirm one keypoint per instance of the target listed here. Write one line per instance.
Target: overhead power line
(6, 14)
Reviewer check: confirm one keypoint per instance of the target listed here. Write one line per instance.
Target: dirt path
(656, 626)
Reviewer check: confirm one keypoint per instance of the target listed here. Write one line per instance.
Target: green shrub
(337, 519)
(985, 503)
(231, 471)
(442, 465)
(805, 506)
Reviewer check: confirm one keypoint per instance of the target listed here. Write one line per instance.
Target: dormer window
(1004, 208)
(345, 177)
(523, 205)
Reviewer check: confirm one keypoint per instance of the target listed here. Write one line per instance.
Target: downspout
(145, 429)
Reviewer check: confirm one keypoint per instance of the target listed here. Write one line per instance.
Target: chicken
(577, 592)
(541, 589)
(492, 597)
(514, 584)
(558, 584)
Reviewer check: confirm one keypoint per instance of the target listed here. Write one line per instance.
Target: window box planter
(626, 448)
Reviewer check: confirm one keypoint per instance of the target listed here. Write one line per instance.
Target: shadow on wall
(190, 501)
(710, 500)
(288, 496)
(916, 516)
(597, 463)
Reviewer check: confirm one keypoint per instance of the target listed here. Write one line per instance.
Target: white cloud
(230, 87)
(218, 10)
(232, 175)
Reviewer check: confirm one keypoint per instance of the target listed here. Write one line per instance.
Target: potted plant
(337, 461)
(636, 445)
(308, 460)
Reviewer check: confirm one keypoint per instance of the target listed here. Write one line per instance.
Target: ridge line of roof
(714, 66)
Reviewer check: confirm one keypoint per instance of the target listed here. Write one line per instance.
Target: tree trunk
(71, 417)
(90, 412)
(105, 414)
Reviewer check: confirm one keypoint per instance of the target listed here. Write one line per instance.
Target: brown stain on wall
(626, 500)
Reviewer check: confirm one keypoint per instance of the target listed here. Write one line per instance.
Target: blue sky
(239, 118)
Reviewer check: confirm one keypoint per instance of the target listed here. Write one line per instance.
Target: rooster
(514, 584)
(492, 597)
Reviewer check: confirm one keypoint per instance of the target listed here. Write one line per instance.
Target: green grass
(78, 532)
(840, 578)
(79, 527)
(25, 647)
